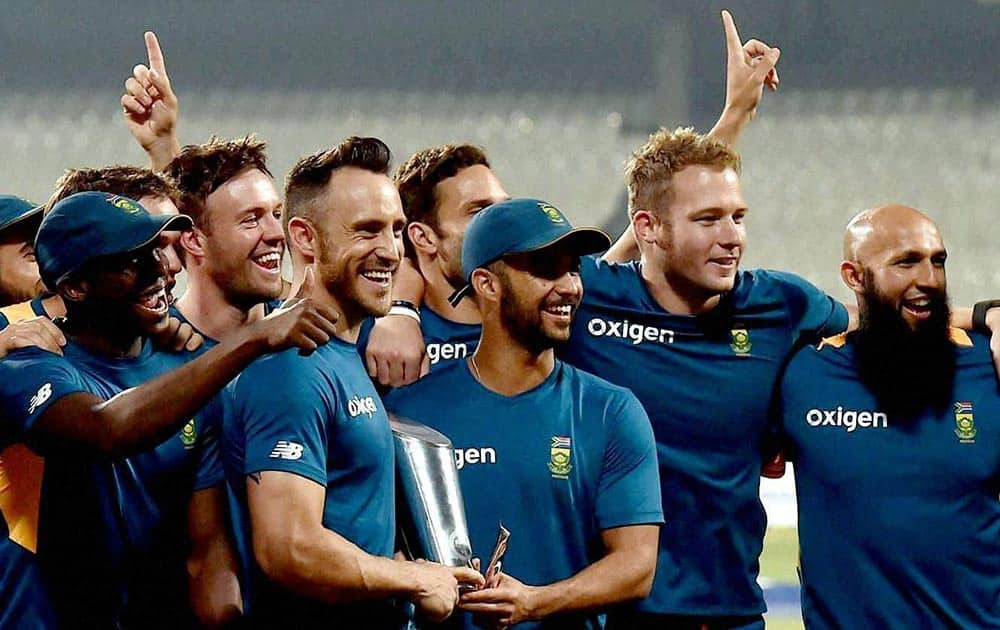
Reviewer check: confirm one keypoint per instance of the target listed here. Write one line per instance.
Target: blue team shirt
(899, 524)
(446, 341)
(318, 417)
(705, 382)
(557, 465)
(269, 307)
(112, 540)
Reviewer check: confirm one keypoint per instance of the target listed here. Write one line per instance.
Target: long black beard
(909, 371)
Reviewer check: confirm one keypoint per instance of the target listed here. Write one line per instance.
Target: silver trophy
(429, 500)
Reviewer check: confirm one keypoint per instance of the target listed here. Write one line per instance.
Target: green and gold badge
(965, 424)
(189, 434)
(559, 457)
(740, 341)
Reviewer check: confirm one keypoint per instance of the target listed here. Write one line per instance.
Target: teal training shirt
(705, 382)
(899, 522)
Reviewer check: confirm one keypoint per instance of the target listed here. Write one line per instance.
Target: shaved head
(875, 230)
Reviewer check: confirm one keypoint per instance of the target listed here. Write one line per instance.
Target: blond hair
(651, 167)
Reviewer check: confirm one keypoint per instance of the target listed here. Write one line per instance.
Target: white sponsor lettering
(286, 450)
(446, 351)
(849, 419)
(485, 455)
(637, 333)
(357, 406)
(44, 393)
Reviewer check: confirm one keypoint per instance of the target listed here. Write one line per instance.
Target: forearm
(730, 125)
(624, 249)
(146, 415)
(162, 152)
(214, 585)
(618, 577)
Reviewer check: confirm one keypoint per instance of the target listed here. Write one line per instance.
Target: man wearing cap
(129, 464)
(308, 450)
(563, 458)
(19, 221)
(895, 434)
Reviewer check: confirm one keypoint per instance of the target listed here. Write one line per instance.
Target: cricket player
(130, 468)
(568, 460)
(895, 434)
(308, 449)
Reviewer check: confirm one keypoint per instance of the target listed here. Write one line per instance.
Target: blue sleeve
(363, 335)
(283, 411)
(629, 490)
(812, 312)
(30, 381)
(210, 472)
(4, 322)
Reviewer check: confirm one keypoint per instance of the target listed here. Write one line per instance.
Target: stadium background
(880, 101)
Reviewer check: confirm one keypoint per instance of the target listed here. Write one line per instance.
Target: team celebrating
(227, 459)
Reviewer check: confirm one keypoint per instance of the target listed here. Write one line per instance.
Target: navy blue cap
(89, 225)
(14, 210)
(518, 226)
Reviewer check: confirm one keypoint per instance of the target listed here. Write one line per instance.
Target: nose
(569, 285)
(171, 260)
(930, 276)
(730, 233)
(274, 232)
(389, 246)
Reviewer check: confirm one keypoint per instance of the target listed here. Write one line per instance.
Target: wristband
(979, 315)
(405, 304)
(404, 308)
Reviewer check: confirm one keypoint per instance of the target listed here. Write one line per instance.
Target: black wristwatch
(979, 315)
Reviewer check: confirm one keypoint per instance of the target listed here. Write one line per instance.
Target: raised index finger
(155, 54)
(734, 45)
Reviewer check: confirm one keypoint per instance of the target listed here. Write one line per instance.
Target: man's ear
(423, 237)
(853, 276)
(73, 290)
(486, 284)
(303, 238)
(193, 242)
(644, 226)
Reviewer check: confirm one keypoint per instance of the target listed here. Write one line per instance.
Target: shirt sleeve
(812, 313)
(629, 490)
(283, 411)
(209, 472)
(30, 381)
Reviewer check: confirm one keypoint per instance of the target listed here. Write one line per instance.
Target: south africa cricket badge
(965, 424)
(740, 341)
(189, 434)
(559, 457)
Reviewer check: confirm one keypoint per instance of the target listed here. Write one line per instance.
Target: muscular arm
(213, 578)
(294, 549)
(624, 573)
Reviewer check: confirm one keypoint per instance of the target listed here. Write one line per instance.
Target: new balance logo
(43, 394)
(286, 450)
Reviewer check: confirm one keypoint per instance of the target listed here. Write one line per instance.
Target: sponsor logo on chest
(446, 351)
(847, 419)
(475, 455)
(358, 406)
(624, 329)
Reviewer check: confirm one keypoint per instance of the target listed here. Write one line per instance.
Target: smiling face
(359, 241)
(169, 240)
(19, 279)
(540, 293)
(242, 239)
(700, 230)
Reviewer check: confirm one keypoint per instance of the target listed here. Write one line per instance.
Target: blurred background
(880, 101)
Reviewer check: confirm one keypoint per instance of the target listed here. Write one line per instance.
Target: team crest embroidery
(740, 341)
(189, 434)
(965, 424)
(552, 213)
(559, 456)
(124, 204)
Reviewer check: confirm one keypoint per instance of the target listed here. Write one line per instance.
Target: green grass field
(778, 562)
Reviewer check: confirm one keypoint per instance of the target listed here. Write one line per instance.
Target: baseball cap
(518, 226)
(90, 225)
(14, 210)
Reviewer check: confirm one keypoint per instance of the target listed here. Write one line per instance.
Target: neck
(505, 366)
(437, 290)
(104, 336)
(348, 326)
(53, 306)
(207, 308)
(676, 295)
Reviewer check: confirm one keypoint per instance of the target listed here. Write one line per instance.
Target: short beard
(523, 326)
(909, 371)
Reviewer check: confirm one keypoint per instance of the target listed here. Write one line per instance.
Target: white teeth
(564, 309)
(273, 257)
(377, 276)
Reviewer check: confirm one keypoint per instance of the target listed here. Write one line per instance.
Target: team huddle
(226, 459)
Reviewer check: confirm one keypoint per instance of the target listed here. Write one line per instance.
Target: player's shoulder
(609, 279)
(760, 284)
(443, 381)
(17, 312)
(973, 350)
(593, 387)
(31, 357)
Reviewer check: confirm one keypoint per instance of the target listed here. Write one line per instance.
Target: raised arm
(749, 67)
(624, 573)
(294, 549)
(151, 109)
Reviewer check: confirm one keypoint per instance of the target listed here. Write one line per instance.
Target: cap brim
(34, 213)
(580, 241)
(170, 223)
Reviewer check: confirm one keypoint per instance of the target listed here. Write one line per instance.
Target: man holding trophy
(563, 458)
